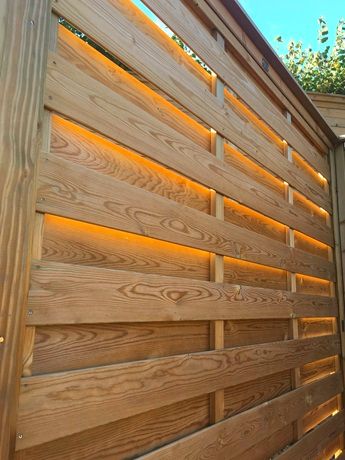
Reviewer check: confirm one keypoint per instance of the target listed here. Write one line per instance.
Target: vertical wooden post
(29, 334)
(23, 56)
(216, 260)
(291, 282)
(337, 164)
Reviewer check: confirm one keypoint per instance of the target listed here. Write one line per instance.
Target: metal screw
(32, 22)
(30, 312)
(2, 339)
(20, 435)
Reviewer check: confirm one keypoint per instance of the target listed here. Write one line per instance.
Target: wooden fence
(168, 266)
(332, 107)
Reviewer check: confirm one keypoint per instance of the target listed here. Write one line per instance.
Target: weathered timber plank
(76, 192)
(69, 347)
(230, 438)
(251, 394)
(190, 29)
(145, 431)
(124, 30)
(23, 46)
(79, 243)
(319, 414)
(316, 440)
(73, 93)
(68, 294)
(56, 405)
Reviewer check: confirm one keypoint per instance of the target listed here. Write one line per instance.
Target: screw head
(2, 339)
(30, 312)
(20, 435)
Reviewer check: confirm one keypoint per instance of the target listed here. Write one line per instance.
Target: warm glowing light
(244, 163)
(213, 131)
(255, 119)
(335, 412)
(338, 453)
(309, 205)
(307, 243)
(266, 221)
(126, 158)
(213, 74)
(323, 210)
(286, 183)
(91, 231)
(122, 77)
(301, 163)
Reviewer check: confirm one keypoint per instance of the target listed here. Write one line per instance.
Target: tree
(320, 71)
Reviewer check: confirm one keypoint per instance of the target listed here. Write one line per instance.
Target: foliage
(321, 71)
(90, 42)
(190, 53)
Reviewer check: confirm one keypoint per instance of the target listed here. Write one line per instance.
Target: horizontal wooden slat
(218, 16)
(187, 26)
(251, 394)
(97, 66)
(68, 347)
(118, 26)
(68, 294)
(84, 99)
(317, 369)
(76, 192)
(230, 438)
(126, 438)
(320, 413)
(57, 405)
(80, 243)
(316, 440)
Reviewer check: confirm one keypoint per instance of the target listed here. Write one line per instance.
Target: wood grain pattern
(145, 431)
(80, 243)
(117, 26)
(332, 107)
(191, 29)
(313, 443)
(237, 271)
(320, 413)
(247, 395)
(67, 347)
(269, 446)
(67, 294)
(23, 46)
(74, 143)
(76, 192)
(115, 78)
(317, 370)
(313, 327)
(230, 438)
(311, 285)
(249, 332)
(82, 98)
(310, 245)
(252, 220)
(270, 154)
(216, 15)
(56, 405)
(252, 170)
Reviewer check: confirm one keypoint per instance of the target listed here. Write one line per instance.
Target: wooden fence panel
(182, 281)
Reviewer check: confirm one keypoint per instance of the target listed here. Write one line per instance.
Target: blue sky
(294, 19)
